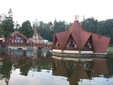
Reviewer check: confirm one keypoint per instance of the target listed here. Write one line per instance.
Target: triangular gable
(81, 38)
(13, 35)
(75, 31)
(76, 38)
(62, 38)
(18, 34)
(100, 43)
(75, 27)
(73, 40)
(54, 40)
(84, 38)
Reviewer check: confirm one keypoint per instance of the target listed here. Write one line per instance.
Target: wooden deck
(73, 59)
(76, 54)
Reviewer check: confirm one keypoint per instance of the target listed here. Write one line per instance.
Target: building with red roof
(18, 39)
(76, 40)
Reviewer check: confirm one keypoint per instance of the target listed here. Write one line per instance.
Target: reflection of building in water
(99, 67)
(77, 71)
(59, 68)
(77, 74)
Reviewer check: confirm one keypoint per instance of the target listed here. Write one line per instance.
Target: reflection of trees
(70, 67)
(110, 64)
(25, 68)
(39, 65)
(6, 70)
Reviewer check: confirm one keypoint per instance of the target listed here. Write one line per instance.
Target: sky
(49, 10)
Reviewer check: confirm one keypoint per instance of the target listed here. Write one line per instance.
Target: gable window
(71, 44)
(88, 45)
(57, 44)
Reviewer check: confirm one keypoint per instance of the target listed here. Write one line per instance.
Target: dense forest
(47, 30)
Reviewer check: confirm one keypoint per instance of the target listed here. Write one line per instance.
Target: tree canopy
(7, 25)
(104, 28)
(47, 30)
(26, 29)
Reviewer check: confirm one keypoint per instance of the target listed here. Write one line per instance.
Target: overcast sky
(48, 10)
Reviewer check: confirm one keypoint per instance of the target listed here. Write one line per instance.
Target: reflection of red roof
(80, 37)
(60, 69)
(99, 67)
(79, 72)
(100, 43)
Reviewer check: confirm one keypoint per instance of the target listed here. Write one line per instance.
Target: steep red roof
(62, 37)
(100, 43)
(84, 37)
(75, 30)
(81, 37)
(17, 33)
(75, 27)
(14, 35)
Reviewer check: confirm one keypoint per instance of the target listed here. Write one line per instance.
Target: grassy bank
(110, 50)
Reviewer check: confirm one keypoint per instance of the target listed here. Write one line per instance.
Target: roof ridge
(75, 27)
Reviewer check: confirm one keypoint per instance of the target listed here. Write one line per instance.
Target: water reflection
(85, 73)
(22, 65)
(5, 70)
(47, 71)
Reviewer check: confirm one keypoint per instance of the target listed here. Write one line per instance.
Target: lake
(48, 71)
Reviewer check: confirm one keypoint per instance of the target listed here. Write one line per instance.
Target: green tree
(26, 29)
(59, 26)
(8, 24)
(106, 28)
(45, 30)
(90, 25)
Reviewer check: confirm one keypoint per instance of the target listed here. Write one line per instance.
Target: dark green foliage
(6, 68)
(26, 29)
(59, 26)
(7, 27)
(47, 30)
(106, 28)
(109, 61)
(90, 25)
(99, 27)
(25, 68)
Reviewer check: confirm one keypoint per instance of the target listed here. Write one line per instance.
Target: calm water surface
(47, 71)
